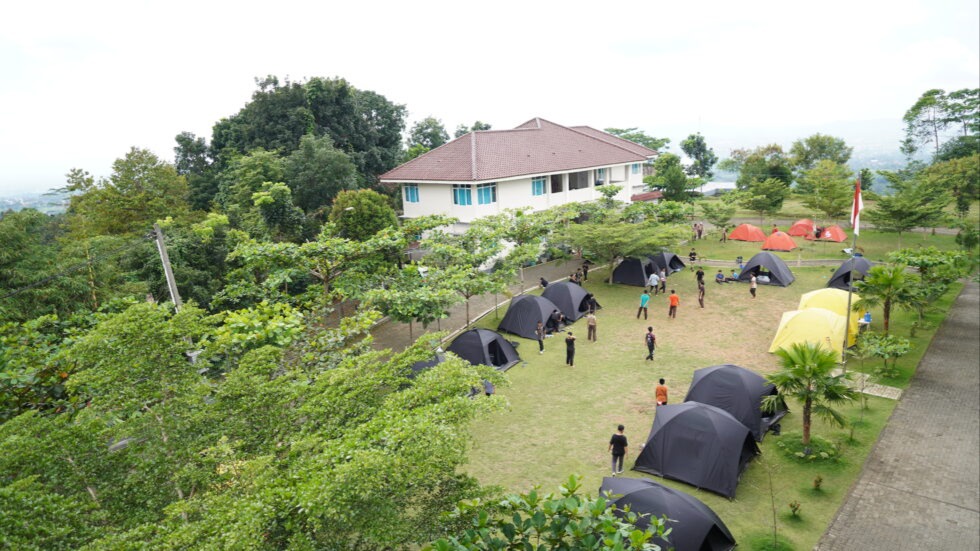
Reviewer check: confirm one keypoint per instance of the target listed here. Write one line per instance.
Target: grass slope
(560, 418)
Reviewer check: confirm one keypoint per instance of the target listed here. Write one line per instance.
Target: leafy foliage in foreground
(567, 521)
(326, 444)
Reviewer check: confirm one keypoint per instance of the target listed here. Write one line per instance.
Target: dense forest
(254, 412)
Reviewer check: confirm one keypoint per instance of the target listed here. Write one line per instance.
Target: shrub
(820, 449)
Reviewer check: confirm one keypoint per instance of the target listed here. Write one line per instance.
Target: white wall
(512, 194)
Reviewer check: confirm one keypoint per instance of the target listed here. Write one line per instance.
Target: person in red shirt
(674, 303)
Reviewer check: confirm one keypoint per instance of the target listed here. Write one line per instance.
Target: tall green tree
(670, 179)
(764, 196)
(317, 171)
(193, 160)
(719, 213)
(806, 374)
(636, 135)
(702, 156)
(934, 112)
(462, 129)
(428, 132)
(141, 190)
(916, 202)
(828, 188)
(360, 214)
(960, 177)
(613, 239)
(361, 123)
(761, 163)
(806, 153)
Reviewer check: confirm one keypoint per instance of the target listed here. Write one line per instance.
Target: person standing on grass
(540, 333)
(675, 301)
(651, 341)
(570, 350)
(644, 300)
(701, 292)
(653, 282)
(618, 445)
(585, 270)
(590, 322)
(663, 281)
(661, 393)
(753, 283)
(699, 274)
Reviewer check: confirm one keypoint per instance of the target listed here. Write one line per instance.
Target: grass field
(559, 419)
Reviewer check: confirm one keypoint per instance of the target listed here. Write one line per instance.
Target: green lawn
(559, 419)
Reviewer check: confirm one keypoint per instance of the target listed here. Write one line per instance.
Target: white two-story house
(539, 164)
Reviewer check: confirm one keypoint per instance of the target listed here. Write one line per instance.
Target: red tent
(801, 228)
(779, 241)
(834, 233)
(747, 232)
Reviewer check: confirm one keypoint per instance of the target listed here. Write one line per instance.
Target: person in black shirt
(570, 350)
(651, 341)
(618, 445)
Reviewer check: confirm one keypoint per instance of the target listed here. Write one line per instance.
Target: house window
(600, 176)
(635, 168)
(462, 195)
(486, 193)
(537, 185)
(556, 184)
(578, 180)
(411, 193)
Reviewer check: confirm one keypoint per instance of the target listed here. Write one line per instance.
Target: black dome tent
(524, 313)
(852, 269)
(483, 346)
(633, 271)
(699, 444)
(570, 299)
(737, 391)
(694, 526)
(768, 264)
(669, 262)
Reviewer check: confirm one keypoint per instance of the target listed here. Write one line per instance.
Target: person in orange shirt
(674, 303)
(661, 393)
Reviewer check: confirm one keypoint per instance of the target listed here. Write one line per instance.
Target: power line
(70, 269)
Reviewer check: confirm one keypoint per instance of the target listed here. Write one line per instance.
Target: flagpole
(856, 228)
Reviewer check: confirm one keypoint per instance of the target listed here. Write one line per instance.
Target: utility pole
(167, 270)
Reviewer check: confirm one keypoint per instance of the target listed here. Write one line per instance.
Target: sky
(83, 82)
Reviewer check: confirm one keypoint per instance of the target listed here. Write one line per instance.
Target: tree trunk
(807, 406)
(886, 313)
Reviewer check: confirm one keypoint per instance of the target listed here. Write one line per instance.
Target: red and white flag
(856, 208)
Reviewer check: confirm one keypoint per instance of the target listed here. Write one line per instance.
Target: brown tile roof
(535, 147)
(647, 196)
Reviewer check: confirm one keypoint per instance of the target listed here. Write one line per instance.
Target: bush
(791, 445)
(764, 542)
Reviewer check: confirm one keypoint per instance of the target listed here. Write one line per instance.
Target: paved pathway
(920, 487)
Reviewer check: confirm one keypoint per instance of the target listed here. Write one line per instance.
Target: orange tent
(834, 233)
(779, 241)
(801, 228)
(747, 232)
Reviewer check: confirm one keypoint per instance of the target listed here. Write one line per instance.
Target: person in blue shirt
(644, 300)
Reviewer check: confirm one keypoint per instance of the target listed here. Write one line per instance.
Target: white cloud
(85, 81)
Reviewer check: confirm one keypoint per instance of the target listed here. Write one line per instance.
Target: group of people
(577, 277)
(697, 230)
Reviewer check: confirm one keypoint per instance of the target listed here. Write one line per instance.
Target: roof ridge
(610, 142)
(473, 155)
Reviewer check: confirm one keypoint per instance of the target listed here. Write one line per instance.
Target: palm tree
(885, 286)
(806, 376)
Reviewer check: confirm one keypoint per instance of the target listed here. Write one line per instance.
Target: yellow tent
(834, 300)
(816, 325)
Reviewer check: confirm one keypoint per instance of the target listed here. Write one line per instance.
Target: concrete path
(920, 487)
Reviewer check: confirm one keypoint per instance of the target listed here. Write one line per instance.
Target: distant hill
(48, 204)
